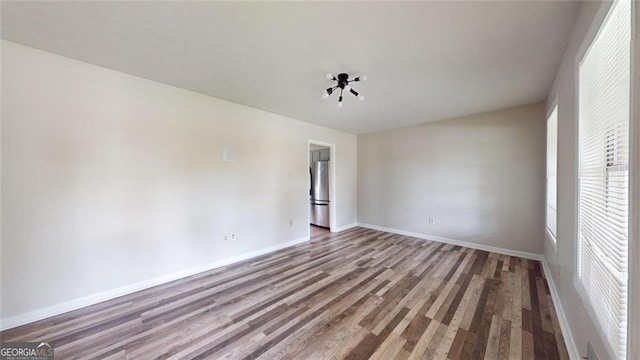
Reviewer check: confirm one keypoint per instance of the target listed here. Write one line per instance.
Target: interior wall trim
(574, 354)
(343, 228)
(43, 313)
(523, 254)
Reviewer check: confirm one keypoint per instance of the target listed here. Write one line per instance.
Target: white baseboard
(343, 228)
(574, 354)
(61, 308)
(523, 254)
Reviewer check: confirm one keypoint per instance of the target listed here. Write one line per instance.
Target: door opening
(321, 188)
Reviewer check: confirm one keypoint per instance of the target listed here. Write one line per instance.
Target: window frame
(633, 194)
(551, 236)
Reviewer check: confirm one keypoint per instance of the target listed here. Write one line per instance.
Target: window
(604, 93)
(552, 177)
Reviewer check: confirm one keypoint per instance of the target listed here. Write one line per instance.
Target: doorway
(321, 195)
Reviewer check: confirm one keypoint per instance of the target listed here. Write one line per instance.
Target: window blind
(604, 93)
(552, 166)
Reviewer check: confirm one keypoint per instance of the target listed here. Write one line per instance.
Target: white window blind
(604, 92)
(552, 166)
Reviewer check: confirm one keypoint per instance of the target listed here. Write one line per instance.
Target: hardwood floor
(358, 294)
(318, 231)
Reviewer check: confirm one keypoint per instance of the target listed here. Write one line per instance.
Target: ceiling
(425, 61)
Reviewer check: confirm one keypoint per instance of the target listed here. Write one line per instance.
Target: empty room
(320, 180)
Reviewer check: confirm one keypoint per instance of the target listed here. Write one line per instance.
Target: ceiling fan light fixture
(361, 78)
(342, 83)
(326, 93)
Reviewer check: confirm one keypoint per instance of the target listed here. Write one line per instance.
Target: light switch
(228, 154)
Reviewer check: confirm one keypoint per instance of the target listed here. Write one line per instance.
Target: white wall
(480, 177)
(563, 262)
(110, 180)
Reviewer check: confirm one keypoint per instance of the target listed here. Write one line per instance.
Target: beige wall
(110, 180)
(563, 261)
(480, 177)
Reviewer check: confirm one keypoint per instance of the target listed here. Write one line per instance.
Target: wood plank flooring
(316, 231)
(358, 294)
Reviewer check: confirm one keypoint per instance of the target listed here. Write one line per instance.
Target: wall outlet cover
(228, 154)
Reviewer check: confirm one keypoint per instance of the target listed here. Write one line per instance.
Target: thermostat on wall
(228, 154)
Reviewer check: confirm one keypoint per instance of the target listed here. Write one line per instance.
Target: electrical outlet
(233, 236)
(225, 237)
(431, 221)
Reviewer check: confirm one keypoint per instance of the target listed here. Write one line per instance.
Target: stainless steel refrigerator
(320, 197)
